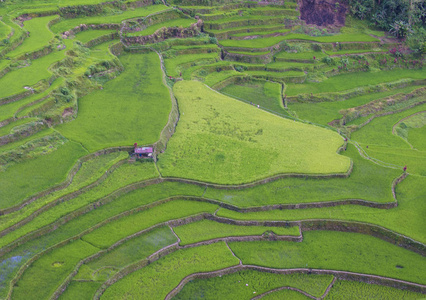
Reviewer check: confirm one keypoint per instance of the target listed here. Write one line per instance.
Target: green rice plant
(250, 53)
(80, 290)
(233, 286)
(19, 181)
(174, 65)
(207, 230)
(181, 22)
(407, 218)
(4, 31)
(123, 176)
(411, 129)
(360, 51)
(44, 276)
(157, 279)
(88, 35)
(214, 78)
(385, 146)
(246, 136)
(11, 127)
(132, 251)
(102, 52)
(265, 93)
(119, 229)
(325, 112)
(134, 107)
(15, 81)
(352, 80)
(261, 33)
(367, 181)
(286, 294)
(334, 250)
(144, 11)
(40, 35)
(300, 55)
(343, 289)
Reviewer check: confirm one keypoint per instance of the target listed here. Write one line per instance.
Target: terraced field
(220, 150)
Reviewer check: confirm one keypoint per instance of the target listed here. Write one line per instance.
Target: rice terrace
(212, 149)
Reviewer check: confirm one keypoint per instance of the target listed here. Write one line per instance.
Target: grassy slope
(134, 107)
(88, 35)
(333, 250)
(239, 149)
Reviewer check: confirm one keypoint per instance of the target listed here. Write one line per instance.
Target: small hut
(143, 152)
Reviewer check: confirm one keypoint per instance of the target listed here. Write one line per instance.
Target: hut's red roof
(143, 150)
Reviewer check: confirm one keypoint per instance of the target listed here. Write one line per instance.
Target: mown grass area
(172, 64)
(367, 181)
(254, 144)
(207, 230)
(116, 230)
(233, 286)
(144, 11)
(134, 107)
(335, 250)
(265, 93)
(181, 22)
(325, 112)
(42, 278)
(343, 289)
(19, 181)
(384, 145)
(40, 35)
(271, 41)
(14, 82)
(352, 80)
(125, 175)
(88, 35)
(407, 218)
(157, 279)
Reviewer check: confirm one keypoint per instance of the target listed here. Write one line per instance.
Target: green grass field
(118, 115)
(88, 35)
(181, 22)
(206, 121)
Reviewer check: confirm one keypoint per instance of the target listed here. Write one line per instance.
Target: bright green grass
(67, 24)
(361, 51)
(4, 30)
(157, 279)
(216, 77)
(417, 138)
(233, 286)
(286, 294)
(207, 230)
(11, 127)
(31, 176)
(125, 175)
(40, 35)
(186, 47)
(265, 93)
(352, 80)
(42, 278)
(285, 65)
(407, 218)
(181, 22)
(271, 41)
(300, 55)
(88, 173)
(14, 82)
(80, 290)
(132, 251)
(101, 51)
(134, 107)
(194, 71)
(325, 112)
(253, 144)
(172, 64)
(88, 35)
(258, 28)
(367, 181)
(276, 75)
(343, 289)
(16, 144)
(333, 250)
(116, 230)
(383, 145)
